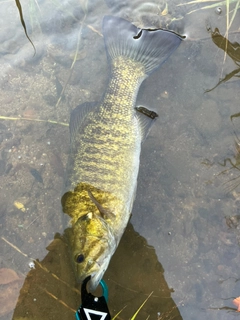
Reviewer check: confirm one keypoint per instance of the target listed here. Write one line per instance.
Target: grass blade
(138, 310)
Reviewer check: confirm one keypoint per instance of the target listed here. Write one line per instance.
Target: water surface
(187, 205)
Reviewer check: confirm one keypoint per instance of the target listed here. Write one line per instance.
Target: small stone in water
(31, 265)
(218, 10)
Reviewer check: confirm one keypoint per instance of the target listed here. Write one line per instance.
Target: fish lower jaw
(96, 276)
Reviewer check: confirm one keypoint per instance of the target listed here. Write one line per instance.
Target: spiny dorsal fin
(78, 115)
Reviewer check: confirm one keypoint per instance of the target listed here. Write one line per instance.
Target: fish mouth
(101, 266)
(96, 276)
(95, 273)
(95, 280)
(96, 267)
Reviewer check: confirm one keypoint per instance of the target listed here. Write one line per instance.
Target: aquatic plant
(232, 50)
(234, 162)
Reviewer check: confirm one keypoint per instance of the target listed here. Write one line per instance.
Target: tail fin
(151, 48)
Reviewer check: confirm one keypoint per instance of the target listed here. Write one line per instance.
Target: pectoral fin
(105, 213)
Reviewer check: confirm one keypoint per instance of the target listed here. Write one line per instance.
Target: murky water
(187, 203)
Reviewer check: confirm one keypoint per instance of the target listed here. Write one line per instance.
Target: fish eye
(79, 258)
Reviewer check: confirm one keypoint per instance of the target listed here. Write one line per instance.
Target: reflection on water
(133, 273)
(182, 208)
(232, 49)
(49, 289)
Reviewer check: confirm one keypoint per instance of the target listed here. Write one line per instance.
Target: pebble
(31, 265)
(218, 10)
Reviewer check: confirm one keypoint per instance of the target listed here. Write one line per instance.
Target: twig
(16, 248)
(59, 300)
(37, 120)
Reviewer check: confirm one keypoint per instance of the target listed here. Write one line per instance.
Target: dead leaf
(9, 295)
(237, 303)
(7, 276)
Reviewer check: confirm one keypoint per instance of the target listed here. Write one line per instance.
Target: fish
(106, 139)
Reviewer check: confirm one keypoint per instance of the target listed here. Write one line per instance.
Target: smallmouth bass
(106, 142)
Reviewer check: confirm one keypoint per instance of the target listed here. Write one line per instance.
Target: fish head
(93, 245)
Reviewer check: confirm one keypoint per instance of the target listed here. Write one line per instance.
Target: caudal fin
(151, 48)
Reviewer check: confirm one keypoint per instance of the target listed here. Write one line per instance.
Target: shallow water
(187, 205)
